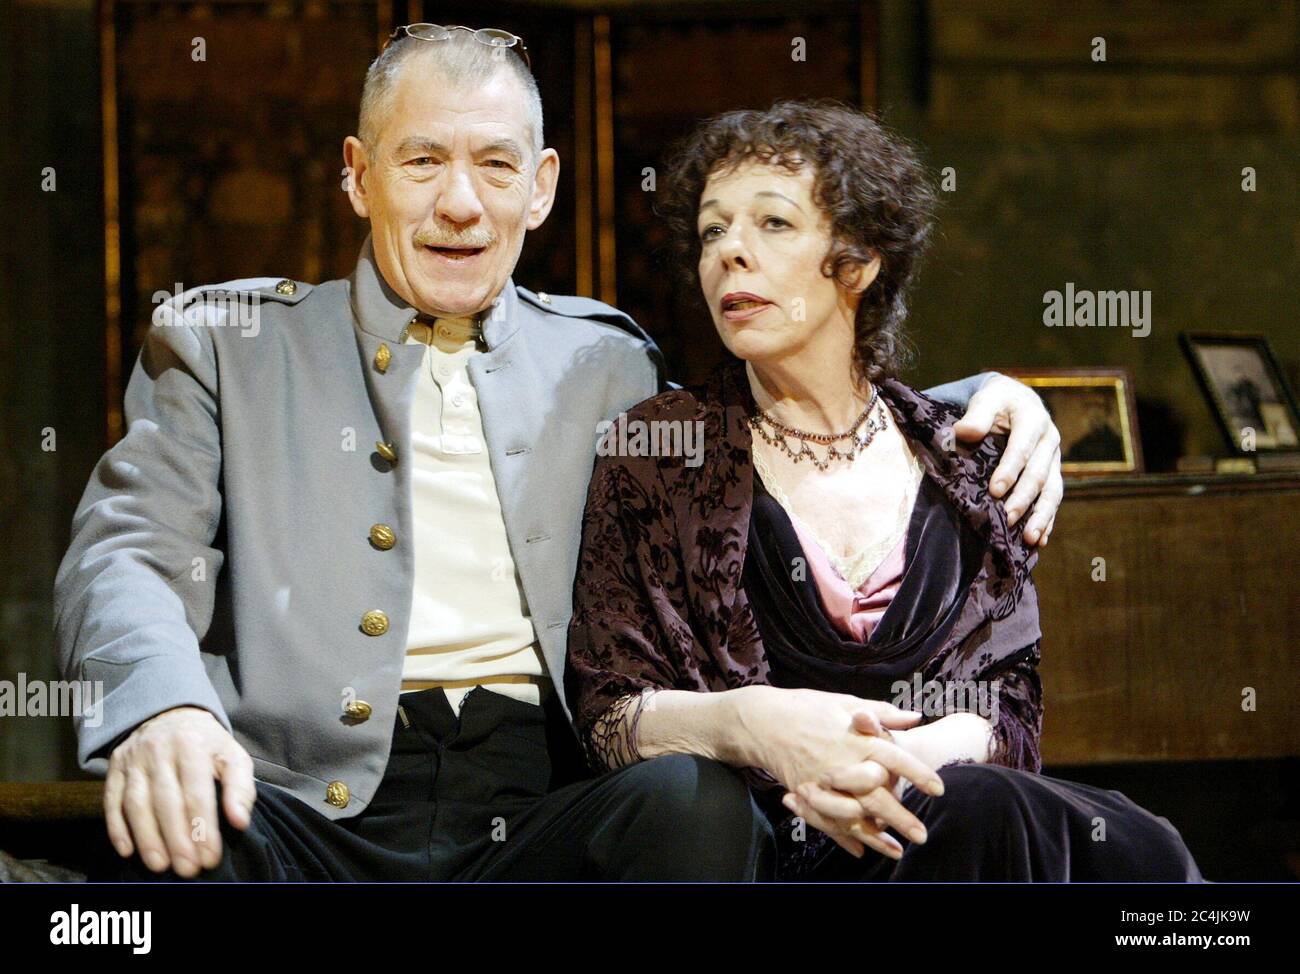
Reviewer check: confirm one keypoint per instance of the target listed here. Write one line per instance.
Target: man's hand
(160, 793)
(1032, 460)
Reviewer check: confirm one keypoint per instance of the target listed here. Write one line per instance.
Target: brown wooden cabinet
(1197, 616)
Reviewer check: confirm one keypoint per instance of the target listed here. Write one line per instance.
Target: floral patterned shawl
(659, 600)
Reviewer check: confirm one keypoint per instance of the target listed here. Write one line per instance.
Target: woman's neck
(816, 396)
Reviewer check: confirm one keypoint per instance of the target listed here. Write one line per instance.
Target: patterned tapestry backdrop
(230, 166)
(230, 118)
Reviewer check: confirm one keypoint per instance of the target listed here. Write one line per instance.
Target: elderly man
(325, 578)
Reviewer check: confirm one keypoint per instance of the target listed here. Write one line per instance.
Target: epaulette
(280, 289)
(576, 306)
(211, 303)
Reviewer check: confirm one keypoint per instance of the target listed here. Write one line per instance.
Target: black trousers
(496, 794)
(997, 824)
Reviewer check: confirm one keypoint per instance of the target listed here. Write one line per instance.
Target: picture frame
(1246, 389)
(1095, 409)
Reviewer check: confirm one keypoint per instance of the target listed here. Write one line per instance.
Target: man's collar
(381, 312)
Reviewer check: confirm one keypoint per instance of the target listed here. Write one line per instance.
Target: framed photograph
(1247, 393)
(1096, 412)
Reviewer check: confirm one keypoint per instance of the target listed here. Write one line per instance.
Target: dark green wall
(1123, 175)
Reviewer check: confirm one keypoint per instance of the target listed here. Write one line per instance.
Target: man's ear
(545, 182)
(357, 164)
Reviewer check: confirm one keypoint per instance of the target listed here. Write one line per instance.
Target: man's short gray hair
(461, 60)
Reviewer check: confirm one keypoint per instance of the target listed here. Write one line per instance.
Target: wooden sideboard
(1198, 604)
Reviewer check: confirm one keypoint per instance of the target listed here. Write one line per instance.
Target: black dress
(993, 823)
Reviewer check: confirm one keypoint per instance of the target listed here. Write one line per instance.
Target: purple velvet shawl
(659, 600)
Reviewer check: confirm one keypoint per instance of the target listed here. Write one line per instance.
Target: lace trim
(612, 740)
(858, 568)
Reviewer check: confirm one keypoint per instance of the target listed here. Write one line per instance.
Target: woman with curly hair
(829, 598)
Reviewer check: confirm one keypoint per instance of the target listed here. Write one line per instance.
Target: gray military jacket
(228, 552)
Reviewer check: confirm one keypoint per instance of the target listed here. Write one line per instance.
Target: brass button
(358, 710)
(382, 536)
(374, 623)
(543, 297)
(337, 794)
(386, 451)
(383, 357)
(286, 287)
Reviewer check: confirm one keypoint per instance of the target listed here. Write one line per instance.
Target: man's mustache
(470, 240)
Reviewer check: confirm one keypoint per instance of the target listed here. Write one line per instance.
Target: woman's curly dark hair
(867, 180)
